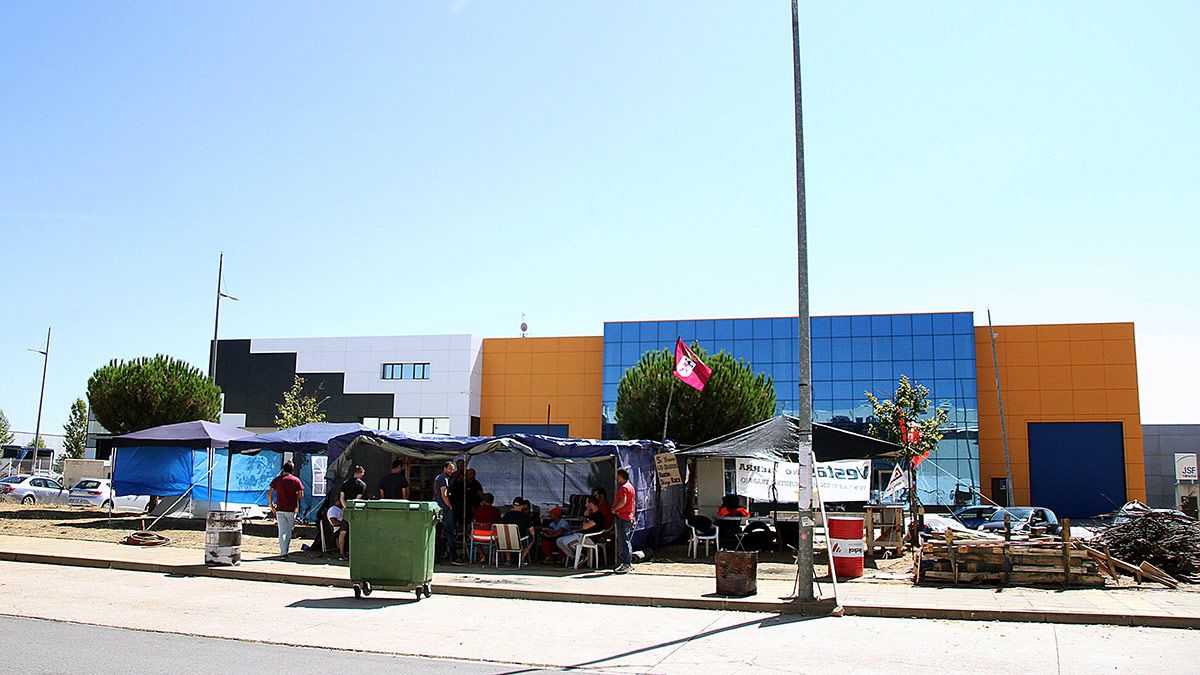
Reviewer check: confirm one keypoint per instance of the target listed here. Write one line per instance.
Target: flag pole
(657, 480)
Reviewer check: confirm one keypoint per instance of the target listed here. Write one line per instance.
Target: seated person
(486, 514)
(593, 521)
(556, 528)
(603, 507)
(732, 508)
(519, 516)
(340, 528)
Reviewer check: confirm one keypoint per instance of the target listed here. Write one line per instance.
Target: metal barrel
(223, 538)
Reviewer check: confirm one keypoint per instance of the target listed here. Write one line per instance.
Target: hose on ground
(144, 538)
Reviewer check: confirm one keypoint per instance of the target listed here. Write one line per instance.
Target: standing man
(284, 496)
(354, 487)
(623, 519)
(394, 485)
(441, 494)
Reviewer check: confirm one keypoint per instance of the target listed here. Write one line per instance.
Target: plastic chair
(593, 543)
(507, 540)
(702, 531)
(479, 537)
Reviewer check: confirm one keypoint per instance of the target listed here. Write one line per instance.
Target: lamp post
(37, 432)
(212, 358)
(804, 549)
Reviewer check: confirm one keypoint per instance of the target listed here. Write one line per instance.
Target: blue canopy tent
(636, 456)
(304, 442)
(175, 459)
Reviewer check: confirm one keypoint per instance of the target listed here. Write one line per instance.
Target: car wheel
(28, 500)
(108, 504)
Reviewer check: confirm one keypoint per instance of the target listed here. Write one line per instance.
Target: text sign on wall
(667, 468)
(844, 481)
(1185, 466)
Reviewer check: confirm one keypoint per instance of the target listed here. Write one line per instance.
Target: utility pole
(1008, 483)
(37, 432)
(804, 548)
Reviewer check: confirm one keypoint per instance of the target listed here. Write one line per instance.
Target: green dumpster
(392, 545)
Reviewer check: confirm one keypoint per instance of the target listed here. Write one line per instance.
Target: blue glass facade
(850, 355)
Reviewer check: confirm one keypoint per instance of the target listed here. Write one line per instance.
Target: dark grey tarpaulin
(197, 434)
(777, 440)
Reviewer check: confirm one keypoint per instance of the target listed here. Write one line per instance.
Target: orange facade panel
(1057, 373)
(523, 377)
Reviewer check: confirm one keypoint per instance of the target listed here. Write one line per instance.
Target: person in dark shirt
(519, 516)
(354, 487)
(603, 506)
(455, 492)
(474, 492)
(593, 521)
(394, 485)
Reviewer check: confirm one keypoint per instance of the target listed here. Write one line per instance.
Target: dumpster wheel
(427, 589)
(357, 591)
(367, 588)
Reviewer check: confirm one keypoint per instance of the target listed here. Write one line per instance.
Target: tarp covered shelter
(304, 442)
(549, 475)
(169, 460)
(778, 440)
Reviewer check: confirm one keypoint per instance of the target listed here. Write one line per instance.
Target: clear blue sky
(400, 168)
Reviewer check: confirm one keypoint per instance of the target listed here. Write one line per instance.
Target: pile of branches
(1168, 541)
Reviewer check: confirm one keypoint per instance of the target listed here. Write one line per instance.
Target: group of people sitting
(557, 537)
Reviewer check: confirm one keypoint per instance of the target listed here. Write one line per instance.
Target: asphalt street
(502, 635)
(73, 648)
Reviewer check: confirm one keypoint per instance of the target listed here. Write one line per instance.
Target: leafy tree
(41, 443)
(75, 431)
(298, 408)
(734, 397)
(146, 392)
(6, 435)
(905, 419)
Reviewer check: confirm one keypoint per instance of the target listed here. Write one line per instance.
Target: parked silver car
(32, 490)
(98, 493)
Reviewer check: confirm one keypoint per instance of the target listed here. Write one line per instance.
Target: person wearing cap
(519, 516)
(556, 528)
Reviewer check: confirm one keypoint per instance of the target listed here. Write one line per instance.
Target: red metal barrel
(846, 542)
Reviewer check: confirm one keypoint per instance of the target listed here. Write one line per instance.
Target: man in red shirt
(623, 519)
(284, 496)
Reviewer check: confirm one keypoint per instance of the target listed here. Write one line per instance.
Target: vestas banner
(844, 481)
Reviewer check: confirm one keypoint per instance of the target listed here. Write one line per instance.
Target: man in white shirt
(340, 528)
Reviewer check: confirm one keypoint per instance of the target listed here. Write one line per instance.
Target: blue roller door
(1077, 469)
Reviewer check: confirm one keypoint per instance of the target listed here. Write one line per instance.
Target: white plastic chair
(697, 538)
(593, 543)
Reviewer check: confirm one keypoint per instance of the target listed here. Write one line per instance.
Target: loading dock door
(1077, 469)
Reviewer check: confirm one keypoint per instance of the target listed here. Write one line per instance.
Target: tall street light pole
(804, 555)
(37, 432)
(212, 357)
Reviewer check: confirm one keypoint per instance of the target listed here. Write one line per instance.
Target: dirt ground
(67, 522)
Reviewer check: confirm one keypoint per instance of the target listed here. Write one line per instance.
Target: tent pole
(211, 453)
(112, 490)
(522, 476)
(228, 471)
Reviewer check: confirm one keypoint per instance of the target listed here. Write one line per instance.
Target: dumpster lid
(393, 504)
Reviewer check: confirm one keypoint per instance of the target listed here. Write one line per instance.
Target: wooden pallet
(1040, 561)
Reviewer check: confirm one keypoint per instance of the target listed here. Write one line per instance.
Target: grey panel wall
(1160, 442)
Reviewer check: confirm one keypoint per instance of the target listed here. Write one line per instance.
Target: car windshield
(1017, 514)
(12, 479)
(87, 485)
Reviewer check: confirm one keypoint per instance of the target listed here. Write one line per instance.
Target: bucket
(737, 573)
(846, 544)
(223, 538)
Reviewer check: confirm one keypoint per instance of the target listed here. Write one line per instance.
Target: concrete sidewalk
(1135, 607)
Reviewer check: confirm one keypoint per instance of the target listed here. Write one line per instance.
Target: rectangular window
(412, 425)
(405, 371)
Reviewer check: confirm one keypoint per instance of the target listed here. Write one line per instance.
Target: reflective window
(860, 326)
(743, 329)
(840, 326)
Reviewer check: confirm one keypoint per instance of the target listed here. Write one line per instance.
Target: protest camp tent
(308, 444)
(181, 460)
(543, 469)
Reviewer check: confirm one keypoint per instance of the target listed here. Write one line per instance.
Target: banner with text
(844, 481)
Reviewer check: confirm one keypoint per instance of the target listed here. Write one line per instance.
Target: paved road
(561, 635)
(74, 648)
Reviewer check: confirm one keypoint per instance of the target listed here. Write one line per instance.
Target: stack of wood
(1168, 542)
(1041, 561)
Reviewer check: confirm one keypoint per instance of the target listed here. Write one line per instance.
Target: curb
(708, 603)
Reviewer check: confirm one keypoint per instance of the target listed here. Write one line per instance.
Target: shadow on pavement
(353, 603)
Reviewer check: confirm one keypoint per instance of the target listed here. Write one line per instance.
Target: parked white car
(30, 490)
(98, 493)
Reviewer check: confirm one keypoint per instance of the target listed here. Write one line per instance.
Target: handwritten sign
(667, 468)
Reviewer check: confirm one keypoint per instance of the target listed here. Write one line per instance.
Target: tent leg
(228, 471)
